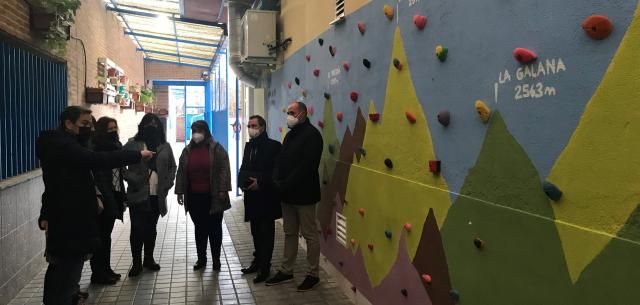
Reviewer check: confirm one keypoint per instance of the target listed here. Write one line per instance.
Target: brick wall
(15, 18)
(158, 70)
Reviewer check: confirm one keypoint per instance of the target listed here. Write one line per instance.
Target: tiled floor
(177, 283)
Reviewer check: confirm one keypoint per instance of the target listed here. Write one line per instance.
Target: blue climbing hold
(552, 191)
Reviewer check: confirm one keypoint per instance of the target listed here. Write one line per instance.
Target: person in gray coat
(149, 183)
(202, 186)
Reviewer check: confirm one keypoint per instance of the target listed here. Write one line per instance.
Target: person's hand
(147, 154)
(254, 184)
(44, 225)
(181, 199)
(100, 206)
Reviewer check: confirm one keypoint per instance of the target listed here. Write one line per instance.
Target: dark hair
(203, 126)
(71, 113)
(302, 106)
(146, 120)
(260, 119)
(102, 125)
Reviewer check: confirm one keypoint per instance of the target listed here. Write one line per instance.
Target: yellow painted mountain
(599, 170)
(331, 149)
(403, 194)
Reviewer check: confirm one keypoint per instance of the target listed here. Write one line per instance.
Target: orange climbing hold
(524, 56)
(339, 116)
(388, 11)
(597, 27)
(420, 21)
(361, 211)
(408, 227)
(370, 247)
(353, 242)
(410, 117)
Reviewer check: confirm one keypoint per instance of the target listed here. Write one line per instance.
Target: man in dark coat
(261, 200)
(70, 202)
(297, 178)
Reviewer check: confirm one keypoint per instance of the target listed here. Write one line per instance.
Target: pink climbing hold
(321, 124)
(524, 56)
(289, 84)
(426, 278)
(339, 116)
(280, 129)
(408, 227)
(310, 110)
(420, 21)
(361, 27)
(307, 57)
(316, 72)
(345, 65)
(354, 96)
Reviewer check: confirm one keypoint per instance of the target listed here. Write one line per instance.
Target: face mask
(151, 137)
(254, 132)
(197, 137)
(292, 121)
(113, 136)
(84, 134)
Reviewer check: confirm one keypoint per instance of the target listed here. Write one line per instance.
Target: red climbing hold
(361, 27)
(332, 51)
(321, 124)
(420, 21)
(426, 278)
(434, 166)
(524, 56)
(361, 211)
(289, 84)
(310, 109)
(354, 96)
(339, 116)
(408, 227)
(410, 117)
(307, 57)
(345, 65)
(316, 72)
(597, 26)
(370, 247)
(374, 117)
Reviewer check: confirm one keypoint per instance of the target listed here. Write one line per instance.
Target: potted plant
(53, 19)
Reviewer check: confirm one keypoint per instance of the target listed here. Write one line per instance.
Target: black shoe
(262, 276)
(200, 265)
(279, 278)
(216, 265)
(309, 283)
(103, 279)
(82, 294)
(251, 269)
(151, 264)
(135, 270)
(118, 276)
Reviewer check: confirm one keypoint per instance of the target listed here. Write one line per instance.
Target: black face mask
(84, 135)
(113, 136)
(151, 136)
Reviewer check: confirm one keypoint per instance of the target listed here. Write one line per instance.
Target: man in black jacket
(261, 199)
(70, 203)
(297, 177)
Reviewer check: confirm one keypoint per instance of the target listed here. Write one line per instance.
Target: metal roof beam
(175, 63)
(206, 44)
(172, 54)
(115, 8)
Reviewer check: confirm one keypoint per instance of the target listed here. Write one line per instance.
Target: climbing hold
(320, 41)
(289, 84)
(354, 96)
(341, 264)
(345, 65)
(455, 295)
(441, 53)
(524, 56)
(397, 64)
(361, 212)
(339, 116)
(316, 72)
(307, 57)
(280, 129)
(410, 117)
(479, 243)
(327, 96)
(283, 109)
(297, 81)
(366, 63)
(310, 107)
(444, 117)
(370, 246)
(387, 233)
(321, 124)
(420, 21)
(332, 149)
(388, 11)
(353, 288)
(552, 191)
(332, 51)
(388, 163)
(408, 227)
(353, 242)
(483, 111)
(362, 151)
(404, 292)
(426, 278)
(374, 117)
(597, 27)
(434, 166)
(304, 92)
(361, 27)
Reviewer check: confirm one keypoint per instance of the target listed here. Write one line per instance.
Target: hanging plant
(53, 18)
(146, 96)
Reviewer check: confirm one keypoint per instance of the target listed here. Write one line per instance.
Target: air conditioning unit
(259, 42)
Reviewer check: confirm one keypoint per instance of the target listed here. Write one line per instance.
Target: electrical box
(259, 42)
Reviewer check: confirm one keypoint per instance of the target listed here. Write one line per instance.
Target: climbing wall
(481, 152)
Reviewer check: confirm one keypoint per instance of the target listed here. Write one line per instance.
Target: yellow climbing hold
(483, 111)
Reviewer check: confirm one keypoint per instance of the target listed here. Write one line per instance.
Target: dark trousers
(207, 226)
(101, 260)
(61, 280)
(144, 219)
(263, 232)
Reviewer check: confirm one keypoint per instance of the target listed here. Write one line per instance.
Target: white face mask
(254, 132)
(197, 137)
(292, 121)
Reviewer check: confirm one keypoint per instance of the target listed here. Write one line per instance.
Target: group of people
(85, 167)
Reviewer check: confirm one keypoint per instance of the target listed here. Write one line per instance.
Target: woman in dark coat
(112, 193)
(261, 199)
(202, 185)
